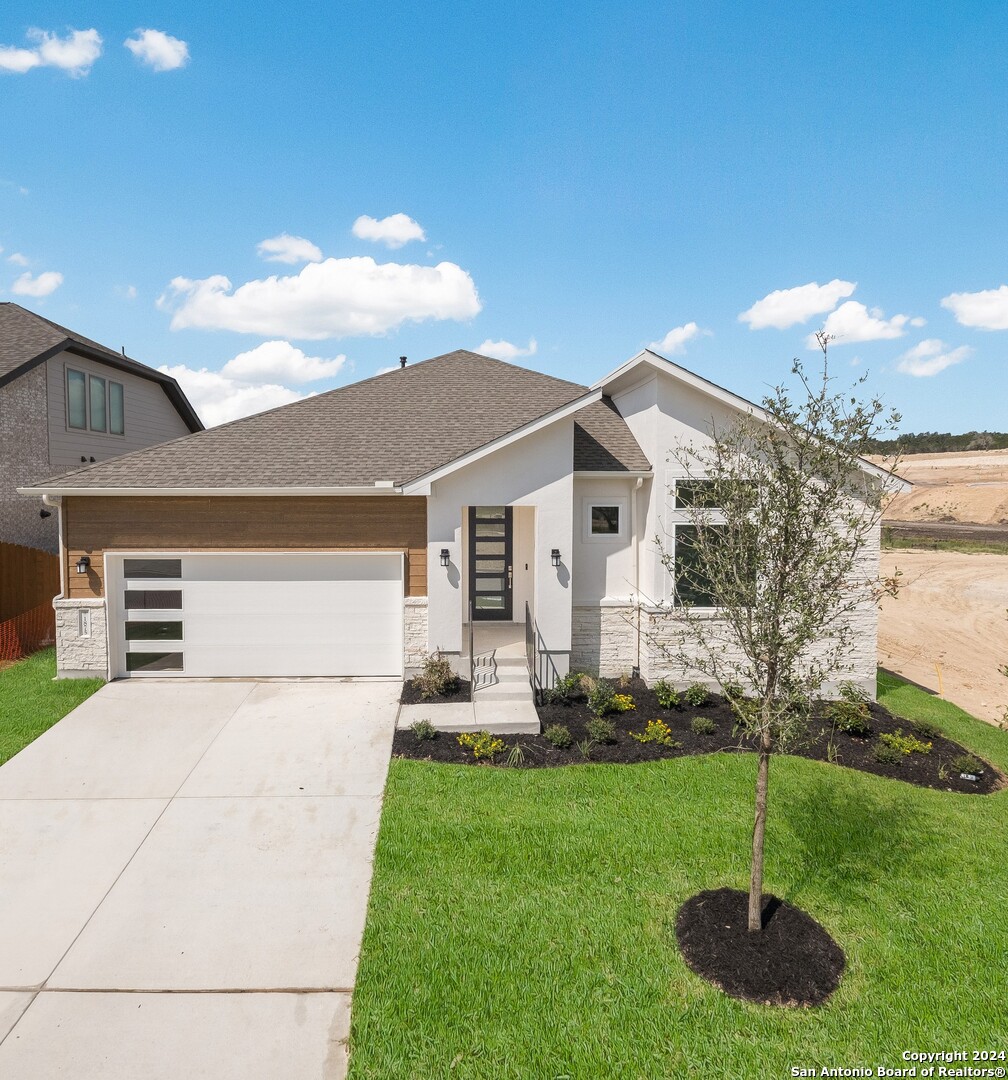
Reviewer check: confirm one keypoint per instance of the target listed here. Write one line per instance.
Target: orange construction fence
(28, 632)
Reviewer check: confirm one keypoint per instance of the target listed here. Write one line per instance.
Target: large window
(95, 403)
(692, 586)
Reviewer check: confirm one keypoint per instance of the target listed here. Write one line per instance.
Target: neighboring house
(349, 533)
(64, 401)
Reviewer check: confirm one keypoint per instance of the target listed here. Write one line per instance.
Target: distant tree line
(938, 442)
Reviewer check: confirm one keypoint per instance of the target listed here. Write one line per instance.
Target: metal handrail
(472, 657)
(532, 652)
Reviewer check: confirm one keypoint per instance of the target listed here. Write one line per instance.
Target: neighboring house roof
(27, 340)
(384, 431)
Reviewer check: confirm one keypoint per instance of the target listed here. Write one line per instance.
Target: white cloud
(17, 258)
(392, 231)
(853, 322)
(930, 357)
(504, 350)
(986, 310)
(218, 398)
(73, 54)
(289, 249)
(158, 50)
(334, 298)
(280, 360)
(42, 285)
(786, 307)
(675, 340)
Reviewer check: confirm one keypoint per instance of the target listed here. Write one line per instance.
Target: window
(604, 519)
(153, 631)
(76, 400)
(698, 493)
(117, 412)
(692, 586)
(152, 568)
(154, 661)
(96, 395)
(157, 599)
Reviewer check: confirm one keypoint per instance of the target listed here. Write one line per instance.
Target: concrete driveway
(184, 875)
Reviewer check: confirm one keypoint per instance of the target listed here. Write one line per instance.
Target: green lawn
(31, 701)
(521, 922)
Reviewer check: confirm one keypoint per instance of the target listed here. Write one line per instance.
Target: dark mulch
(791, 961)
(853, 752)
(412, 696)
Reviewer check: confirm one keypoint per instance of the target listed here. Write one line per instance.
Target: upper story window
(95, 403)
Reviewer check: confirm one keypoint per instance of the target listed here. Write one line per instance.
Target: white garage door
(256, 613)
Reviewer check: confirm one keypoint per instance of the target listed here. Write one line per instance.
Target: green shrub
(423, 730)
(667, 695)
(905, 744)
(703, 725)
(853, 694)
(601, 730)
(481, 743)
(967, 763)
(697, 695)
(559, 735)
(600, 698)
(566, 691)
(657, 731)
(623, 703)
(886, 755)
(926, 729)
(851, 717)
(436, 676)
(732, 692)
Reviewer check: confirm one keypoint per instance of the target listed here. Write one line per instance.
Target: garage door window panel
(153, 600)
(153, 661)
(144, 569)
(153, 630)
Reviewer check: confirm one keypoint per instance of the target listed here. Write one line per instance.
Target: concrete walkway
(185, 875)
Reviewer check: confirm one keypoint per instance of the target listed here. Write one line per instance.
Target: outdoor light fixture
(555, 556)
(82, 564)
(445, 556)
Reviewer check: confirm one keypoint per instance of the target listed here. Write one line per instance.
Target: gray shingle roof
(393, 427)
(604, 443)
(26, 337)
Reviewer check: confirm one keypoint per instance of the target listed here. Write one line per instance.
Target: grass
(521, 922)
(966, 547)
(31, 701)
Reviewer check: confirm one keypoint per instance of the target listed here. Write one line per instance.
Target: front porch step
(497, 717)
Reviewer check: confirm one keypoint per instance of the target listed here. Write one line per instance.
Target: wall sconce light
(555, 556)
(445, 556)
(83, 563)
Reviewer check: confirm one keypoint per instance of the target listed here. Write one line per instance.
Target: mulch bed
(792, 961)
(851, 751)
(412, 696)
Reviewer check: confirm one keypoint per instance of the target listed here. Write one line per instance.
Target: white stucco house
(351, 532)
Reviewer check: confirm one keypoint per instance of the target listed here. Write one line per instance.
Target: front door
(490, 566)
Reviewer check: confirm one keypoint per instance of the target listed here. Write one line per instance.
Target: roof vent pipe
(402, 361)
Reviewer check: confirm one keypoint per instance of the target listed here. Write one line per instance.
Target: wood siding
(28, 579)
(243, 523)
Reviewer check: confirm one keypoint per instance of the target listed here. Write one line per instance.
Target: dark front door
(490, 566)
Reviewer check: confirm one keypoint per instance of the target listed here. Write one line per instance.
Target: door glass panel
(491, 528)
(490, 566)
(489, 584)
(153, 631)
(489, 547)
(495, 512)
(167, 599)
(154, 661)
(490, 603)
(152, 568)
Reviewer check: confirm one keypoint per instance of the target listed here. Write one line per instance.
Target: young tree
(782, 520)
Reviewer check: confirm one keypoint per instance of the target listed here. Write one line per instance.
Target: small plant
(601, 730)
(567, 690)
(623, 681)
(886, 755)
(853, 694)
(967, 763)
(732, 692)
(944, 772)
(586, 746)
(657, 731)
(423, 730)
(702, 725)
(559, 735)
(926, 729)
(697, 695)
(482, 744)
(667, 695)
(832, 753)
(600, 698)
(850, 717)
(622, 703)
(905, 744)
(516, 756)
(436, 676)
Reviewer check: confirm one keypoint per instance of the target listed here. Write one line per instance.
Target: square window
(117, 412)
(76, 400)
(605, 520)
(96, 394)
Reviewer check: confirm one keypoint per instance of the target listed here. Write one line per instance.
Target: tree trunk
(759, 829)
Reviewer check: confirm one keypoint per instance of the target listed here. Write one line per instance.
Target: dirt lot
(951, 613)
(954, 487)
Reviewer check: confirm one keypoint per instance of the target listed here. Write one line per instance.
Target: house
(349, 533)
(64, 401)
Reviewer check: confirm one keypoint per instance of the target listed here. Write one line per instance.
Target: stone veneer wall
(414, 632)
(81, 656)
(604, 639)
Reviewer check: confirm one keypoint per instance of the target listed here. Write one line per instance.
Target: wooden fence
(28, 579)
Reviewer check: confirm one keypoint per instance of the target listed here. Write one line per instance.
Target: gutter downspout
(636, 561)
(56, 502)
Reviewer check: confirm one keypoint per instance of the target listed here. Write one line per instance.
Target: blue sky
(588, 180)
